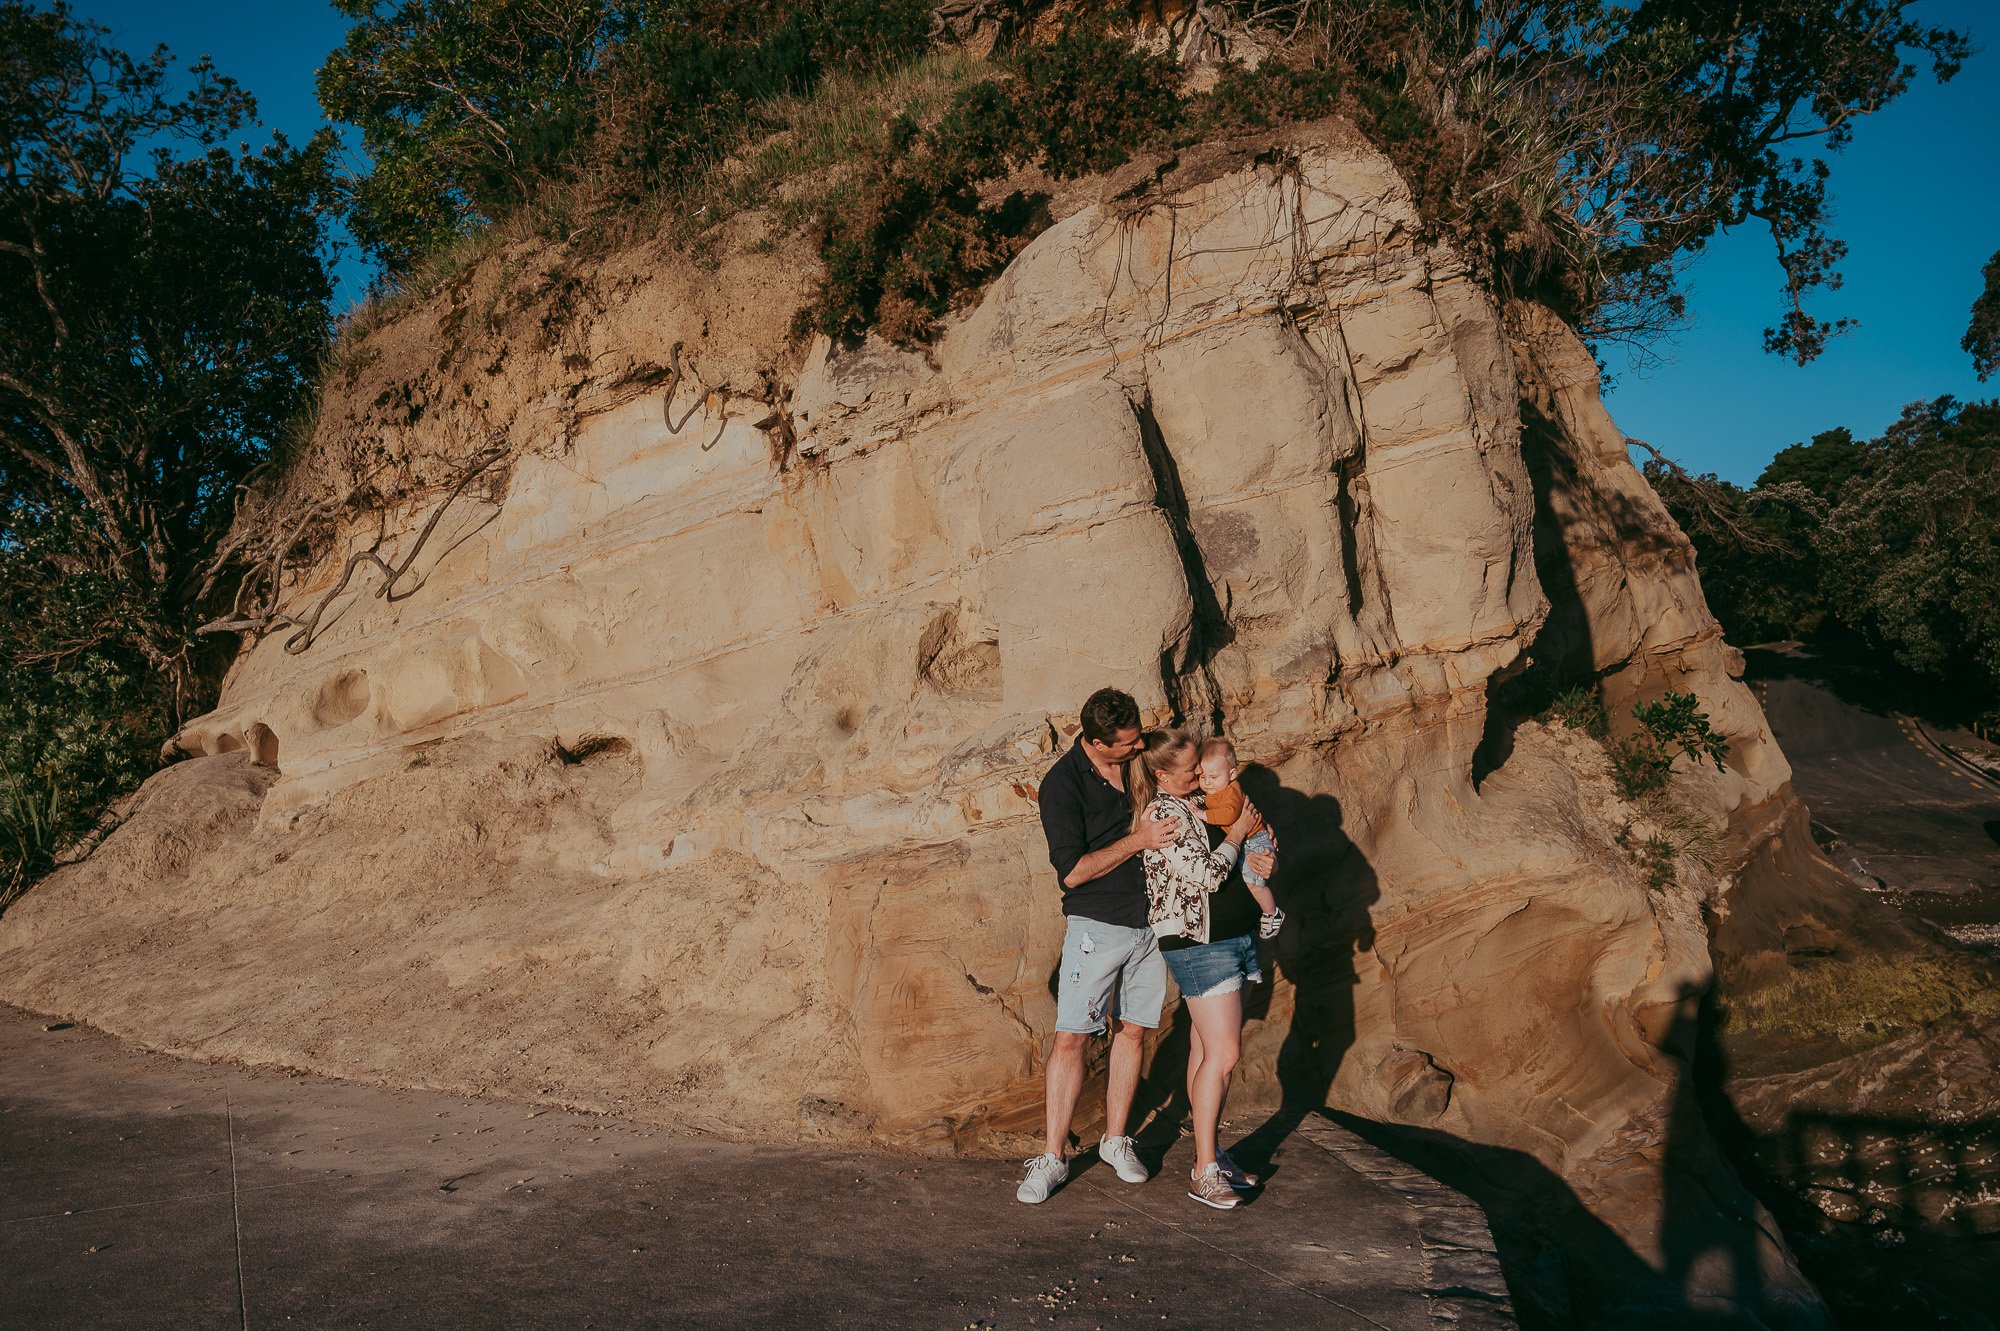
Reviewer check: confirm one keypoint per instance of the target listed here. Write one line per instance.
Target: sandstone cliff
(691, 767)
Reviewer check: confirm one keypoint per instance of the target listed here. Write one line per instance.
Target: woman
(1207, 921)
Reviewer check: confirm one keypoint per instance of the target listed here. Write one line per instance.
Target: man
(1109, 951)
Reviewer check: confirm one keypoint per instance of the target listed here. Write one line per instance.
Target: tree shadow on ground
(1839, 661)
(1894, 1219)
(1567, 1268)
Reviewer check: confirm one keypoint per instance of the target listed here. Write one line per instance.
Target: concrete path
(1886, 800)
(140, 1191)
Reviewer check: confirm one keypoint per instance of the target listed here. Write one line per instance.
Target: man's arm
(1062, 824)
(1154, 834)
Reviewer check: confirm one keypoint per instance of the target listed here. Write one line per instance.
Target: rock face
(691, 770)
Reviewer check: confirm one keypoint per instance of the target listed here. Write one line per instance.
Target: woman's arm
(1189, 860)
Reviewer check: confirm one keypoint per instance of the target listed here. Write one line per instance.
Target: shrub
(1653, 858)
(1088, 102)
(1270, 95)
(1580, 707)
(1675, 726)
(914, 234)
(71, 740)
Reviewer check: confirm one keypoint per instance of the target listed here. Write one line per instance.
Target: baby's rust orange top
(1225, 806)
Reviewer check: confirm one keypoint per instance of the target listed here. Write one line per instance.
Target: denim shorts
(1107, 971)
(1221, 967)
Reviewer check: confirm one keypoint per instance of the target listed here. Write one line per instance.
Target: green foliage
(1896, 540)
(1911, 554)
(1676, 721)
(914, 232)
(1089, 101)
(1654, 857)
(680, 91)
(161, 319)
(472, 108)
(462, 106)
(1673, 727)
(1581, 151)
(71, 740)
(1829, 461)
(1580, 707)
(162, 314)
(1752, 548)
(1982, 335)
(1273, 94)
(81, 714)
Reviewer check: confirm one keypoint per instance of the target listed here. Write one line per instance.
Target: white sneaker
(1268, 925)
(1120, 1155)
(1045, 1174)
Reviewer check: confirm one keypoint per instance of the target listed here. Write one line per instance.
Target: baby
(1223, 799)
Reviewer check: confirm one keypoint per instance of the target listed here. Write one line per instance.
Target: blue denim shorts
(1108, 971)
(1221, 967)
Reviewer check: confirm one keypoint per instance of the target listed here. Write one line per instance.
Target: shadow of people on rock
(1326, 887)
(1718, 1243)
(1722, 1261)
(1892, 1217)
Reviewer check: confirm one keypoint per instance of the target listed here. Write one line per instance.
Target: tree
(469, 107)
(1982, 336)
(1591, 149)
(1911, 554)
(463, 105)
(1753, 550)
(163, 309)
(1829, 461)
(1895, 540)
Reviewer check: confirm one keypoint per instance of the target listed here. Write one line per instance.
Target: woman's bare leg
(1216, 1030)
(1193, 1070)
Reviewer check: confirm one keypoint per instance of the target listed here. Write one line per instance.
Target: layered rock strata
(691, 769)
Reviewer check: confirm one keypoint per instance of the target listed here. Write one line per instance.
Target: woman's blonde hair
(1142, 770)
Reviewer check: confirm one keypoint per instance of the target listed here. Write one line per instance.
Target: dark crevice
(1561, 653)
(1190, 682)
(588, 748)
(1346, 473)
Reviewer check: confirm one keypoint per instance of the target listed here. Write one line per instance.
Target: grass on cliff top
(800, 162)
(1861, 1002)
(795, 169)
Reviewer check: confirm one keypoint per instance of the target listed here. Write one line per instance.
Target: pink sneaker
(1211, 1189)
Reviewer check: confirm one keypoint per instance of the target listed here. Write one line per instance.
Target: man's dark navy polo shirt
(1082, 812)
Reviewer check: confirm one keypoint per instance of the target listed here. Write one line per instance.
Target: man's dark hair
(1107, 712)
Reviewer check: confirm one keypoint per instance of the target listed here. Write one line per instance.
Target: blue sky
(1916, 196)
(1917, 199)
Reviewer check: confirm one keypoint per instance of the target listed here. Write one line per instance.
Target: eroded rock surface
(691, 773)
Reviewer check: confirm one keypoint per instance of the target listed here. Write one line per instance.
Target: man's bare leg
(1128, 1043)
(1064, 1085)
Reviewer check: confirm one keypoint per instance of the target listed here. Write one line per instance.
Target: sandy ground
(141, 1191)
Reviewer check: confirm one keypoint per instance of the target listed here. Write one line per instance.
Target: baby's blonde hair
(1211, 747)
